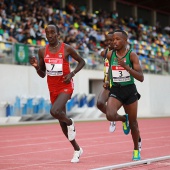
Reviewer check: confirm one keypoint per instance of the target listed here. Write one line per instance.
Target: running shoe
(112, 127)
(76, 156)
(71, 131)
(140, 144)
(136, 155)
(126, 128)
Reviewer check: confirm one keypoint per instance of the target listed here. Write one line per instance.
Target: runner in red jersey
(54, 61)
(56, 68)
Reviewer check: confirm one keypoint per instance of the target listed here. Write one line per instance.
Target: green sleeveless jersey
(117, 73)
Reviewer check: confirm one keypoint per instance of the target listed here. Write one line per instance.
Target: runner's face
(119, 41)
(108, 40)
(51, 34)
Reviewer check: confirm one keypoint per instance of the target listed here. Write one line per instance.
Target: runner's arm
(69, 51)
(136, 70)
(40, 68)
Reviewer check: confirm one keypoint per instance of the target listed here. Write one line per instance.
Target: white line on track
(129, 164)
(85, 139)
(46, 135)
(51, 150)
(67, 160)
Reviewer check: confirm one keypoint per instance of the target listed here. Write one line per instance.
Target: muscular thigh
(60, 101)
(103, 96)
(113, 104)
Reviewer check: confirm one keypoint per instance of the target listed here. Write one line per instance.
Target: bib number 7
(52, 66)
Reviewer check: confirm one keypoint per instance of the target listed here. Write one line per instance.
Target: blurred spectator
(25, 21)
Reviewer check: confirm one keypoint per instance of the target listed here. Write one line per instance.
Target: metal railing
(93, 59)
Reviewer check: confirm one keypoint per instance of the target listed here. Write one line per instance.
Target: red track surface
(44, 147)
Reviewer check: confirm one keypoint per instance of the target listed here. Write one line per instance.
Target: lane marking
(129, 164)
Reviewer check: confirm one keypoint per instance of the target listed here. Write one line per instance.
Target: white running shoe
(140, 145)
(112, 127)
(77, 155)
(71, 131)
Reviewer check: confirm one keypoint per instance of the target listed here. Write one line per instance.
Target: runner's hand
(68, 78)
(121, 62)
(34, 61)
(106, 85)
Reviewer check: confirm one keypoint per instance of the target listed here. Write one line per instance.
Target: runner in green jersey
(124, 68)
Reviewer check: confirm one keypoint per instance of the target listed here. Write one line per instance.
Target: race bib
(120, 74)
(54, 66)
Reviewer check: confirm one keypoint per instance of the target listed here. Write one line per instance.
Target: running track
(44, 147)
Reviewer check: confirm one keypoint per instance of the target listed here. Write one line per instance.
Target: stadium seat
(43, 43)
(91, 100)
(29, 41)
(34, 42)
(38, 42)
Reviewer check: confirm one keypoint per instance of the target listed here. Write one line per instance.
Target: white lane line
(68, 160)
(47, 136)
(84, 139)
(157, 129)
(129, 164)
(51, 150)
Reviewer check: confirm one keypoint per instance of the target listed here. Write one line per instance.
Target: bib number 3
(120, 73)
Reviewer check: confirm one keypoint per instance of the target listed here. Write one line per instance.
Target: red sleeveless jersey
(56, 68)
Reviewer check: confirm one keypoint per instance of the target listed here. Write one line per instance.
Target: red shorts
(54, 95)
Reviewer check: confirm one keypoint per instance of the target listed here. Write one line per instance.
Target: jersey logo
(47, 55)
(60, 55)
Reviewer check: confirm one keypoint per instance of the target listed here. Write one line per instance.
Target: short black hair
(123, 32)
(57, 28)
(111, 32)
